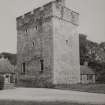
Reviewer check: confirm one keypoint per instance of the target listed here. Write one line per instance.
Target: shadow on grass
(91, 88)
(40, 103)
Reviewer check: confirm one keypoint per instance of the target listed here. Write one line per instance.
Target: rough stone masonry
(48, 44)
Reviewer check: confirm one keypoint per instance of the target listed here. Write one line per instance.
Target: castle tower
(48, 44)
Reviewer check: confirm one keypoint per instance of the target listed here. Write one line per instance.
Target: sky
(91, 20)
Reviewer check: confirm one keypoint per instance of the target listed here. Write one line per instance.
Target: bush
(1, 82)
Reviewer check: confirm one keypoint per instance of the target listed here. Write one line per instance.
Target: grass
(92, 88)
(95, 88)
(40, 103)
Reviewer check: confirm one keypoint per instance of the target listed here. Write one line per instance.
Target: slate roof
(5, 66)
(86, 70)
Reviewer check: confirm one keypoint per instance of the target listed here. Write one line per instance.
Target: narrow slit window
(33, 43)
(26, 30)
(42, 65)
(36, 27)
(23, 68)
(67, 41)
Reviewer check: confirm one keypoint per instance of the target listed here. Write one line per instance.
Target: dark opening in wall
(36, 27)
(42, 65)
(26, 30)
(23, 68)
(7, 76)
(33, 43)
(11, 79)
(67, 41)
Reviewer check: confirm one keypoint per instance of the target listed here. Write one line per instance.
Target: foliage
(1, 82)
(102, 45)
(11, 57)
(94, 53)
(83, 50)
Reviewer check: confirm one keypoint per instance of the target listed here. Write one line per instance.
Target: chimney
(62, 2)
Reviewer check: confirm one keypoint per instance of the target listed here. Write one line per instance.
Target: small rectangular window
(81, 77)
(89, 77)
(23, 68)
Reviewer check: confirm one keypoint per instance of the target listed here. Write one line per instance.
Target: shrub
(1, 82)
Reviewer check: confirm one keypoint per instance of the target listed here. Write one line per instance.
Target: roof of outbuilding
(5, 66)
(86, 70)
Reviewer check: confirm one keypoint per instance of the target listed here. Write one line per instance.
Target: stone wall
(66, 53)
(35, 42)
(66, 45)
(49, 33)
(66, 14)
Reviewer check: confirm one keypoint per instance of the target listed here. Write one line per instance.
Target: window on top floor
(67, 41)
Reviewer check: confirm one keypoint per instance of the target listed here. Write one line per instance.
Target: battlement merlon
(52, 9)
(62, 12)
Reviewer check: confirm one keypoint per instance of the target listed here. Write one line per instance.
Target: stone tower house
(48, 44)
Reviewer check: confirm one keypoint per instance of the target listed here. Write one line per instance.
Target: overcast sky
(92, 19)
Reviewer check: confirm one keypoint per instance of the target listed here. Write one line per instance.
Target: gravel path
(42, 94)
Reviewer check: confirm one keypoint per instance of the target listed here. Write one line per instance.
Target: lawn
(44, 96)
(40, 103)
(92, 88)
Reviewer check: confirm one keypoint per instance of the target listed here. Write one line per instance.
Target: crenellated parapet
(62, 12)
(40, 15)
(35, 17)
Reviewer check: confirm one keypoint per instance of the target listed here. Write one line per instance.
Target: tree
(102, 45)
(83, 49)
(94, 53)
(11, 57)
